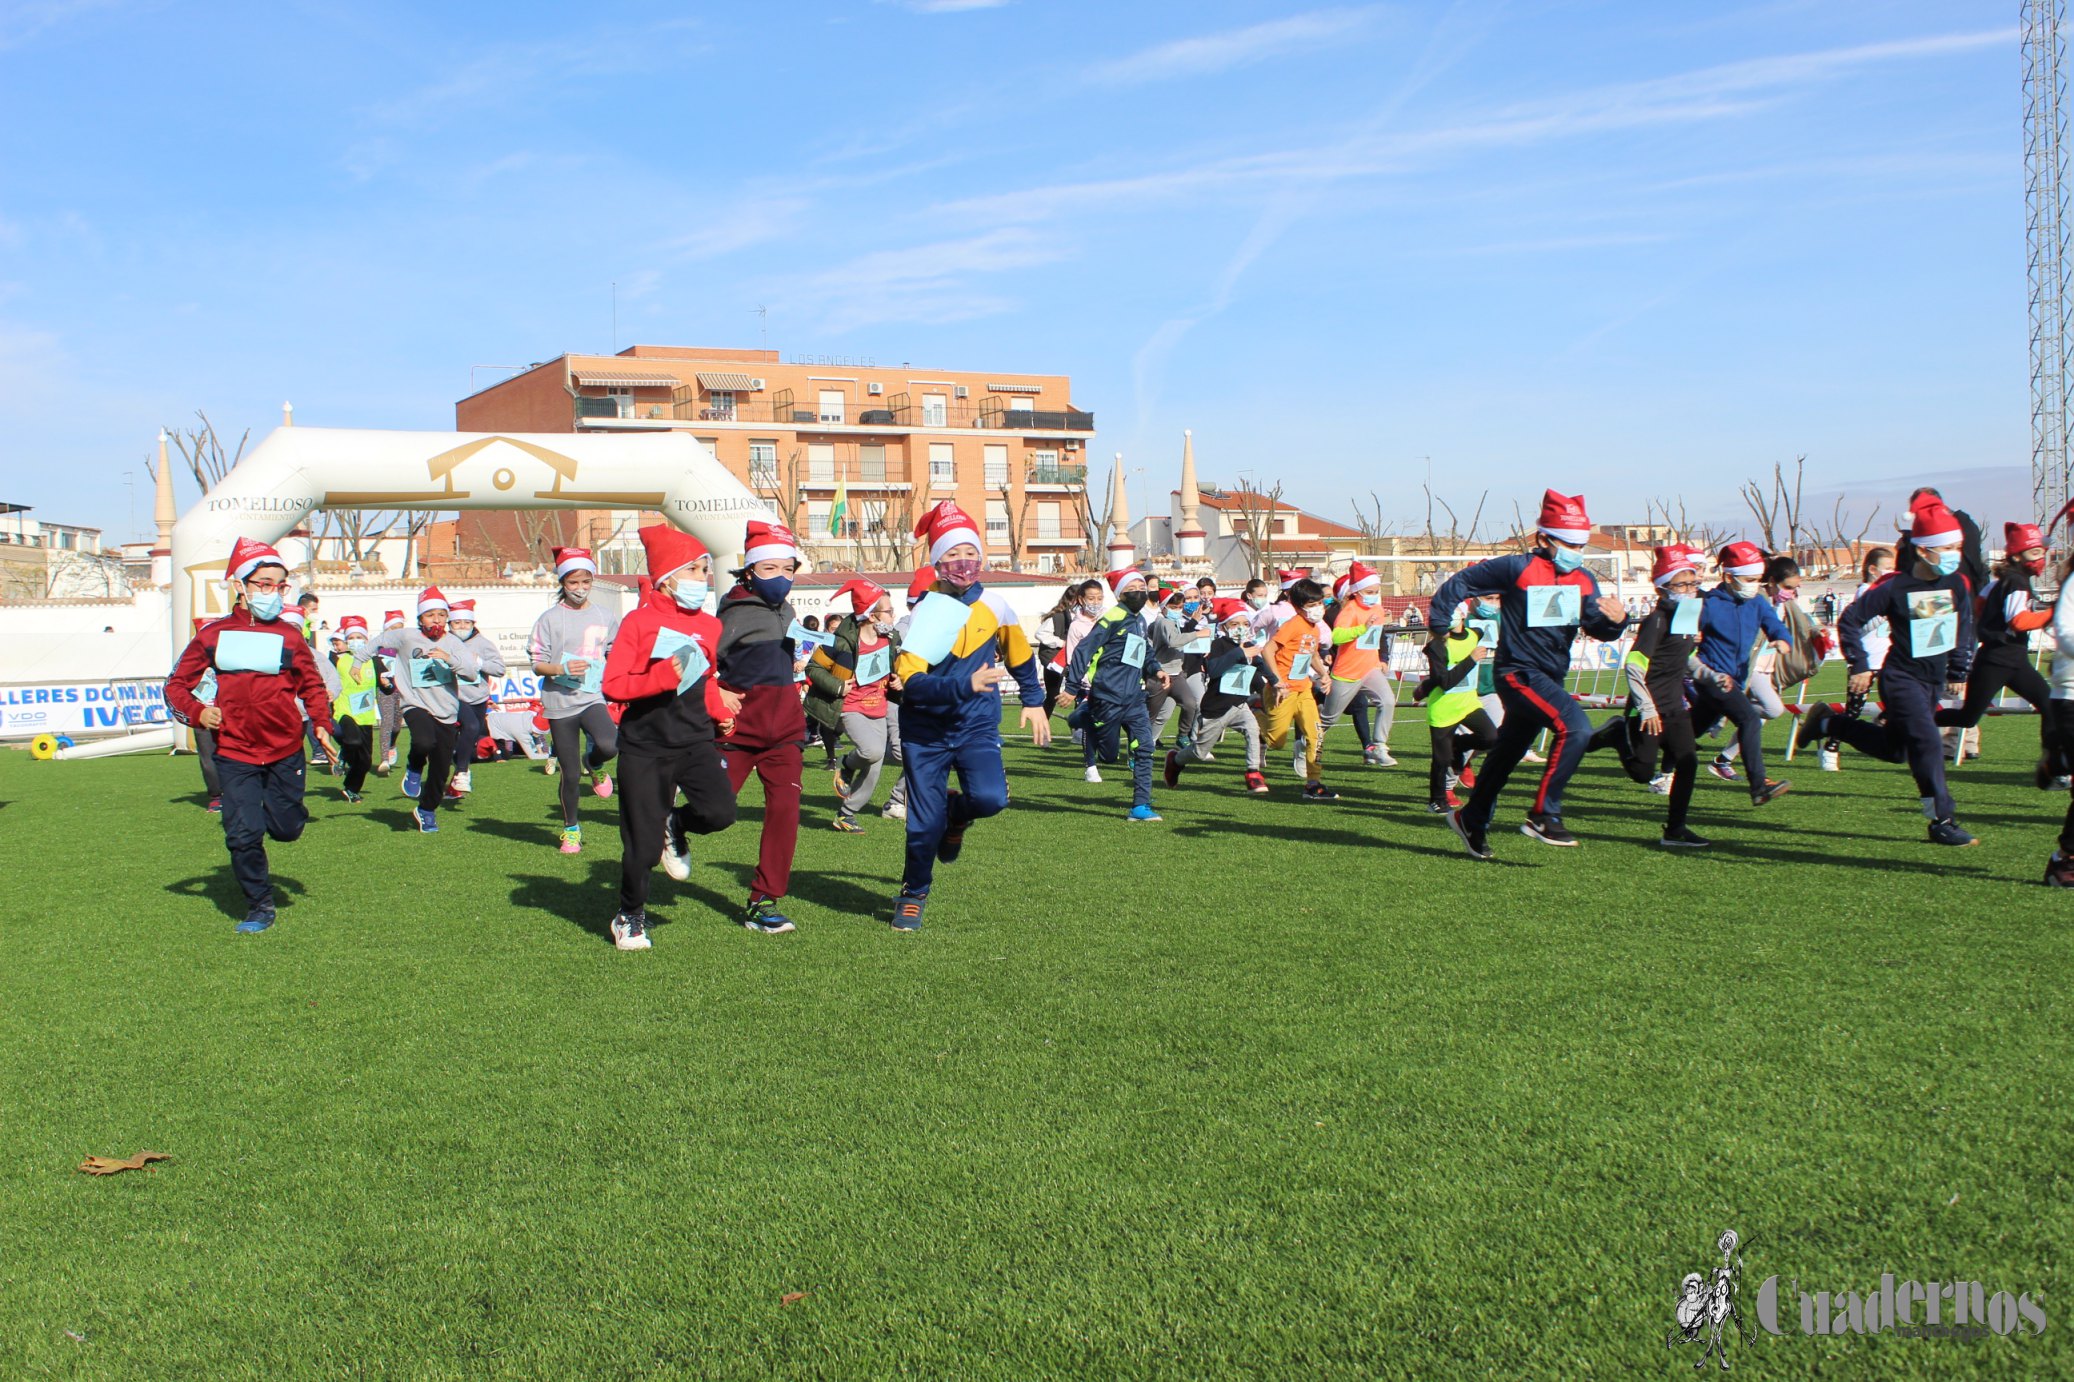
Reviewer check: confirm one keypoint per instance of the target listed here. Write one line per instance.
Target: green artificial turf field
(1268, 1090)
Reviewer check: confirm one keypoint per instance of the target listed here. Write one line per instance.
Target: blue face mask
(1485, 610)
(771, 590)
(1191, 606)
(1565, 560)
(265, 607)
(690, 595)
(1948, 561)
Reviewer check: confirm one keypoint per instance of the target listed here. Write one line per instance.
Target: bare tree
(885, 533)
(357, 533)
(1372, 524)
(204, 453)
(415, 521)
(1777, 509)
(540, 530)
(1842, 537)
(83, 576)
(1256, 533)
(1094, 556)
(1017, 505)
(1705, 537)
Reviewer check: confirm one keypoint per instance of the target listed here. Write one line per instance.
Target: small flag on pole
(838, 510)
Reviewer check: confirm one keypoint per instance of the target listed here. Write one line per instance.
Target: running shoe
(895, 811)
(676, 851)
(847, 825)
(1832, 761)
(572, 839)
(1296, 762)
(1376, 756)
(428, 821)
(2059, 871)
(1454, 803)
(1093, 774)
(1683, 838)
(1949, 832)
(2042, 775)
(1172, 774)
(1318, 791)
(1725, 769)
(382, 768)
(841, 780)
(1813, 726)
(1472, 837)
(601, 782)
(1547, 828)
(953, 842)
(907, 910)
(1440, 808)
(1466, 778)
(1661, 784)
(1141, 814)
(256, 920)
(215, 806)
(1772, 790)
(1530, 756)
(450, 797)
(349, 794)
(763, 917)
(411, 783)
(630, 931)
(463, 783)
(1256, 783)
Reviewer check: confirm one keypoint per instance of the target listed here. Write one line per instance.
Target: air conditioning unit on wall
(963, 392)
(755, 384)
(874, 389)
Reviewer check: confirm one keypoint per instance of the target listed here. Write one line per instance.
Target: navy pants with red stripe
(1533, 702)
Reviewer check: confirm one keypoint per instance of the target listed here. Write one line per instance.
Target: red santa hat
(1563, 516)
(1360, 578)
(1745, 559)
(1225, 609)
(944, 527)
(291, 614)
(861, 594)
(392, 619)
(669, 550)
(1934, 525)
(352, 622)
(1672, 560)
(2021, 537)
(768, 540)
(569, 559)
(1118, 579)
(1290, 575)
(247, 556)
(461, 609)
(429, 600)
(919, 586)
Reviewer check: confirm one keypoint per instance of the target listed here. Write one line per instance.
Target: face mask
(1238, 633)
(1257, 601)
(1565, 560)
(1679, 597)
(574, 600)
(1485, 610)
(1309, 614)
(2034, 567)
(771, 589)
(882, 627)
(690, 595)
(961, 573)
(1370, 598)
(1094, 609)
(1191, 606)
(1132, 600)
(265, 607)
(1176, 618)
(357, 647)
(1946, 561)
(463, 634)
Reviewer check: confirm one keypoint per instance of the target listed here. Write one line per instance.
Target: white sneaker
(1661, 784)
(1379, 757)
(1093, 774)
(630, 932)
(463, 783)
(550, 767)
(1832, 761)
(1296, 763)
(676, 853)
(895, 811)
(1532, 757)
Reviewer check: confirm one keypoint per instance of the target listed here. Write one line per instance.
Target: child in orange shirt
(1292, 654)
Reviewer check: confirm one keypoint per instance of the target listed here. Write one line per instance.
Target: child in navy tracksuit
(1928, 607)
(1543, 598)
(1112, 670)
(1732, 614)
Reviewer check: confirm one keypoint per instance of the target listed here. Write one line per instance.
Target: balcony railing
(1057, 475)
(891, 412)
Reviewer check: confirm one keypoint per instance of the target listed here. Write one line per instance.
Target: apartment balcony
(895, 412)
(1055, 478)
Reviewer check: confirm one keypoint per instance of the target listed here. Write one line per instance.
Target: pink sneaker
(572, 839)
(601, 783)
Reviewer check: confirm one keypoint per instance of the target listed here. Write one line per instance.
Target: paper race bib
(429, 671)
(806, 640)
(1486, 631)
(876, 665)
(1300, 667)
(1133, 650)
(1197, 646)
(933, 629)
(1371, 638)
(1554, 606)
(592, 680)
(360, 703)
(1238, 681)
(1685, 618)
(1933, 622)
(668, 643)
(248, 650)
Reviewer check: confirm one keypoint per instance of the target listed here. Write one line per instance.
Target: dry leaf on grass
(792, 1297)
(108, 1165)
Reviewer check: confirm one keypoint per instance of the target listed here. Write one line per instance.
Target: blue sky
(1629, 249)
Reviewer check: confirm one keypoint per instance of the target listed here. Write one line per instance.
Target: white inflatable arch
(299, 470)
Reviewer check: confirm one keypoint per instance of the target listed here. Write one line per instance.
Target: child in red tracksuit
(660, 669)
(756, 670)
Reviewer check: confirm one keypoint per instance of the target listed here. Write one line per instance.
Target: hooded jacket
(755, 659)
(1524, 643)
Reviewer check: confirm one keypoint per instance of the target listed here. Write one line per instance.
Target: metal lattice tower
(2046, 230)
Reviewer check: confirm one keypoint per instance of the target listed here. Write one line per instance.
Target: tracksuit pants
(1186, 693)
(1640, 753)
(1452, 746)
(777, 766)
(1344, 693)
(1738, 709)
(648, 788)
(431, 754)
(1211, 729)
(1907, 732)
(932, 808)
(572, 762)
(865, 760)
(1297, 712)
(2000, 665)
(473, 724)
(205, 753)
(2062, 751)
(1532, 702)
(355, 751)
(261, 801)
(390, 707)
(1128, 728)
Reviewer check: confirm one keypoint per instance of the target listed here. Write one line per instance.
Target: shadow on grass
(589, 903)
(221, 887)
(833, 892)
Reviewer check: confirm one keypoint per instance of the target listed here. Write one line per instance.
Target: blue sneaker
(411, 782)
(256, 920)
(907, 911)
(428, 821)
(1142, 813)
(764, 918)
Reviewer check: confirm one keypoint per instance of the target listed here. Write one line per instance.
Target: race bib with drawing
(873, 667)
(1371, 638)
(1300, 667)
(1554, 606)
(1133, 650)
(1933, 622)
(1685, 618)
(1238, 681)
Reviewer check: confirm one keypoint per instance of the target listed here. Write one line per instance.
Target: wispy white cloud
(1562, 244)
(507, 73)
(753, 221)
(933, 283)
(22, 20)
(949, 6)
(1205, 54)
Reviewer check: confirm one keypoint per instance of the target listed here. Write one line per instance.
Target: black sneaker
(1318, 791)
(763, 917)
(1949, 832)
(1548, 829)
(1683, 838)
(1472, 836)
(2059, 871)
(257, 919)
(1813, 726)
(1772, 790)
(953, 842)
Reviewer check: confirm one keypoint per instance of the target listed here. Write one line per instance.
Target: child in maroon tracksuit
(757, 672)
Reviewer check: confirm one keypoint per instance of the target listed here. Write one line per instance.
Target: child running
(475, 696)
(1292, 657)
(1877, 639)
(2009, 613)
(1929, 611)
(1656, 724)
(1732, 615)
(950, 706)
(356, 711)
(1113, 669)
(1544, 597)
(660, 668)
(847, 687)
(1458, 677)
(1361, 665)
(431, 667)
(568, 647)
(1232, 676)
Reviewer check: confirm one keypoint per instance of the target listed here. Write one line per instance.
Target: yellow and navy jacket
(937, 700)
(1101, 665)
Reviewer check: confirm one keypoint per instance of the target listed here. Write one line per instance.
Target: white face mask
(690, 595)
(1371, 598)
(357, 647)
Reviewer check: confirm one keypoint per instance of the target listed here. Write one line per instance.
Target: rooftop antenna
(615, 316)
(763, 325)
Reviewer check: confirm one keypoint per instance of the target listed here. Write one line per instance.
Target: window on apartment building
(1044, 465)
(1288, 522)
(622, 402)
(871, 460)
(936, 410)
(763, 463)
(720, 404)
(997, 523)
(1048, 520)
(943, 466)
(1021, 403)
(817, 517)
(821, 462)
(1047, 561)
(832, 403)
(997, 465)
(871, 516)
